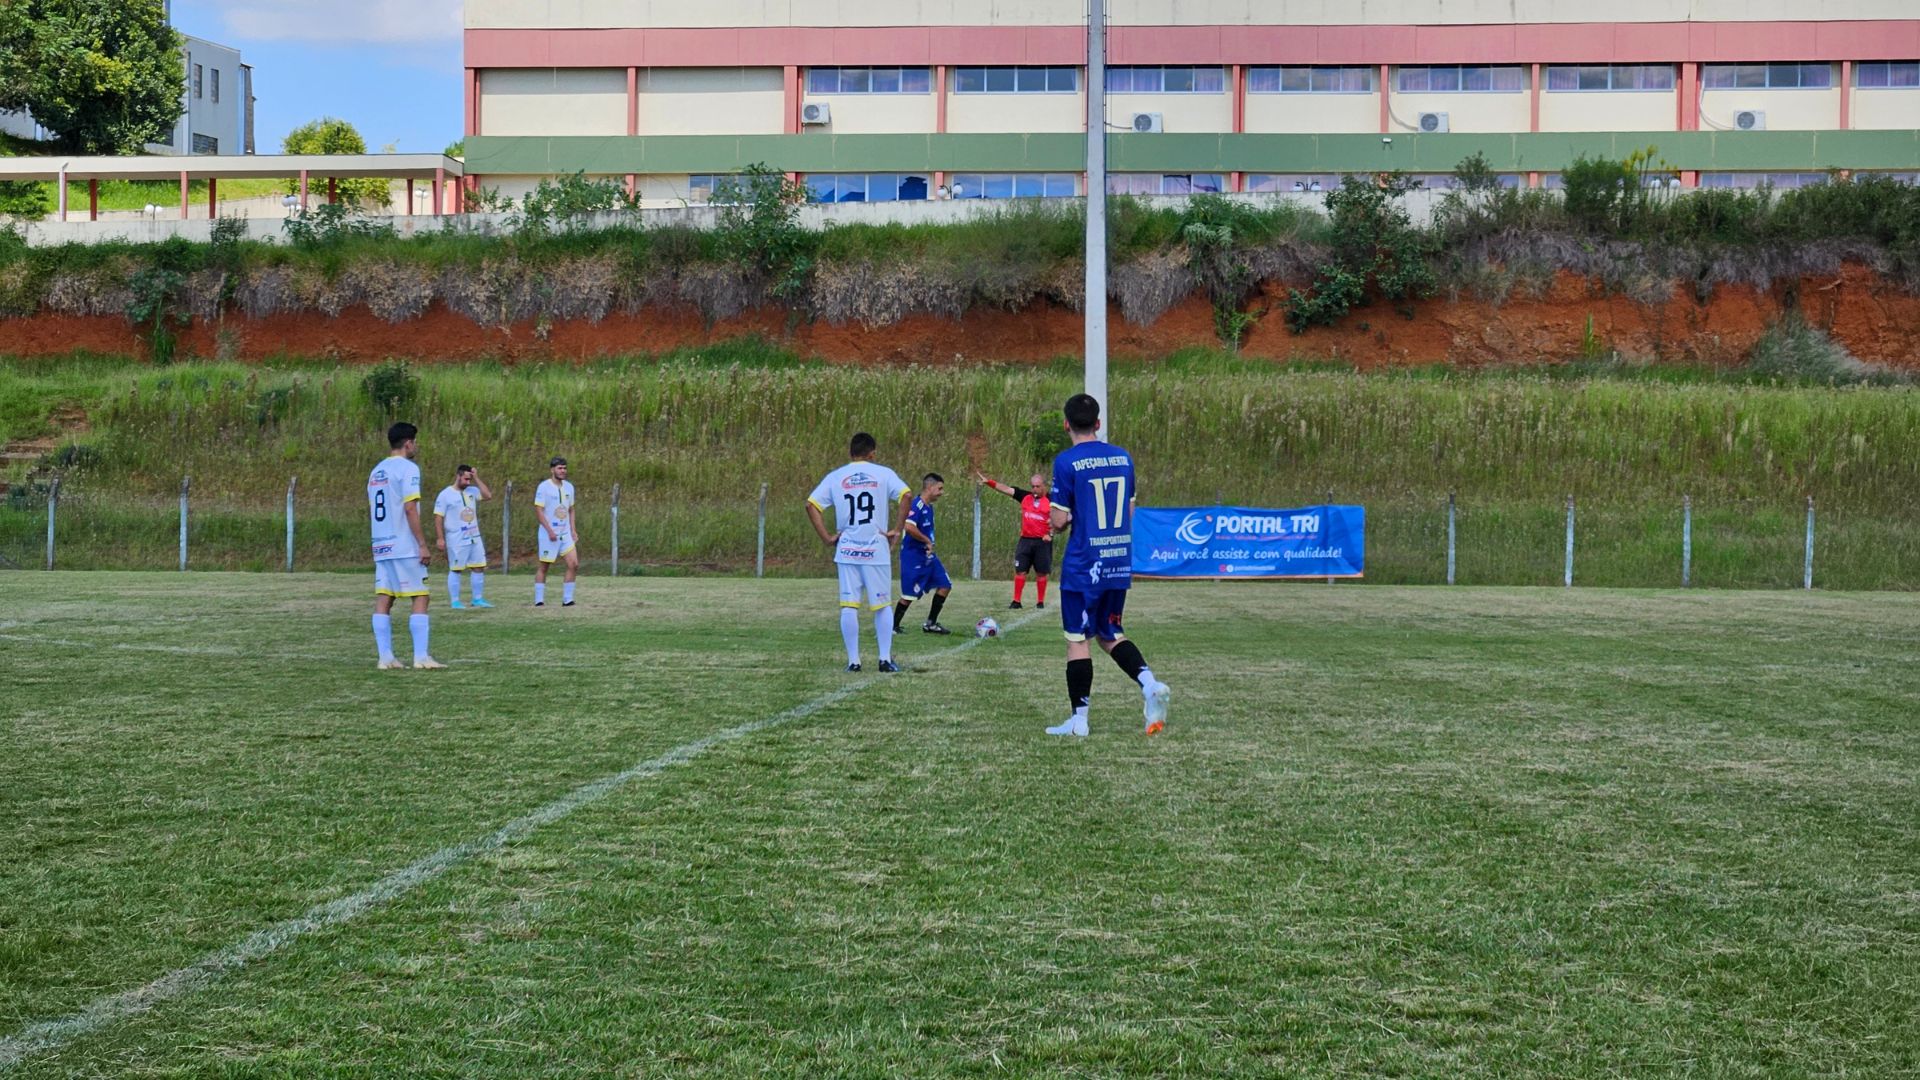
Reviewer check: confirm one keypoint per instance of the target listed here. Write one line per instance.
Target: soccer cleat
(480, 604)
(1156, 697)
(1075, 726)
(1015, 606)
(1041, 606)
(853, 669)
(390, 664)
(931, 627)
(539, 603)
(458, 606)
(568, 603)
(427, 663)
(888, 667)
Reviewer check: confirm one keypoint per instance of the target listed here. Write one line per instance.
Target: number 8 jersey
(1094, 482)
(861, 496)
(393, 484)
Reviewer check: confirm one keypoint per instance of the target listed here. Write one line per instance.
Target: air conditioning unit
(1149, 123)
(1432, 122)
(1750, 120)
(815, 113)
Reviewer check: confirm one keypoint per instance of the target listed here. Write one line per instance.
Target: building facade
(912, 99)
(216, 108)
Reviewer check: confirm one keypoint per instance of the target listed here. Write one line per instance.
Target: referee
(1035, 552)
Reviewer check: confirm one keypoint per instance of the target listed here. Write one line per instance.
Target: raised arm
(485, 491)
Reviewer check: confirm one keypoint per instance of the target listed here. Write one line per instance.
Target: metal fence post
(1808, 576)
(1569, 578)
(53, 505)
(614, 509)
(1451, 539)
(292, 482)
(185, 483)
(1686, 541)
(506, 528)
(976, 532)
(760, 541)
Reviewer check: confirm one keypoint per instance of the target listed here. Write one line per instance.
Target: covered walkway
(445, 174)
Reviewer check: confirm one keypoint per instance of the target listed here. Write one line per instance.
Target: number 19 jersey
(861, 496)
(1094, 482)
(393, 484)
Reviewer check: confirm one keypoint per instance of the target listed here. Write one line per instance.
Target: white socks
(416, 626)
(1146, 678)
(883, 631)
(539, 592)
(383, 635)
(453, 585)
(566, 593)
(479, 585)
(850, 633)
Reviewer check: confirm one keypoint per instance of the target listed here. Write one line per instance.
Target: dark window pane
(913, 189)
(1816, 75)
(820, 189)
(1210, 80)
(1656, 77)
(1063, 80)
(1562, 77)
(1029, 186)
(1357, 80)
(823, 80)
(1476, 78)
(1149, 80)
(1061, 186)
(1717, 76)
(1904, 73)
(999, 186)
(1208, 183)
(1263, 80)
(916, 80)
(1324, 80)
(1749, 76)
(1509, 80)
(969, 186)
(1002, 80)
(1179, 80)
(886, 80)
(1415, 79)
(853, 187)
(1119, 80)
(855, 80)
(1296, 80)
(969, 80)
(883, 187)
(1030, 80)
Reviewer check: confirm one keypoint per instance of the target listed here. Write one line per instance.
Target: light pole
(1096, 345)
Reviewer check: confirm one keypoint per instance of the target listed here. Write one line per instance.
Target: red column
(409, 196)
(472, 121)
(93, 199)
(1689, 113)
(184, 212)
(303, 189)
(1846, 95)
(1386, 118)
(439, 190)
(1236, 181)
(940, 99)
(333, 190)
(1533, 178)
(213, 198)
(633, 101)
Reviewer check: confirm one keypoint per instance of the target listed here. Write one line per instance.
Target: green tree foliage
(103, 76)
(760, 227)
(328, 135)
(1373, 247)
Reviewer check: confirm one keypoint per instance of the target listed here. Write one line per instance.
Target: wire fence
(1412, 539)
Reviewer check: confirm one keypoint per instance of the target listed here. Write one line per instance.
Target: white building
(216, 115)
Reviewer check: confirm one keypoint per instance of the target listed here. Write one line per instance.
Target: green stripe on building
(1705, 151)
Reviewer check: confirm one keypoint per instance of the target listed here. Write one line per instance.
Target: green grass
(692, 436)
(1391, 832)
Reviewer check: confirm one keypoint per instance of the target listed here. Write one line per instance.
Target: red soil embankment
(1872, 318)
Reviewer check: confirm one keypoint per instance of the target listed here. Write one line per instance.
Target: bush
(391, 388)
(1792, 350)
(1374, 247)
(759, 228)
(564, 201)
(330, 224)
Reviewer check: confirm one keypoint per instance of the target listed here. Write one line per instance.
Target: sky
(391, 67)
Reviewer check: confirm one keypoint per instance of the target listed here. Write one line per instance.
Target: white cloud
(368, 22)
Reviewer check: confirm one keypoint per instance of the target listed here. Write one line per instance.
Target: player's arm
(540, 515)
(820, 524)
(900, 520)
(914, 531)
(1062, 500)
(419, 537)
(485, 491)
(439, 529)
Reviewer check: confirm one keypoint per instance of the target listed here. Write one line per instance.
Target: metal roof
(230, 166)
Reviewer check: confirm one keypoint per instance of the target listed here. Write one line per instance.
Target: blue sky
(391, 67)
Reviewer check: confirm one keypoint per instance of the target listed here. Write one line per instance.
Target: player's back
(1094, 482)
(861, 495)
(390, 486)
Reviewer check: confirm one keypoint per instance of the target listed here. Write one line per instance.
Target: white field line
(103, 1012)
(236, 653)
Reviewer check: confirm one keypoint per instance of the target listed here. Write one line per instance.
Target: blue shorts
(921, 574)
(1086, 615)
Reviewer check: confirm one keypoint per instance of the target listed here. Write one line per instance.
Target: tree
(103, 76)
(328, 135)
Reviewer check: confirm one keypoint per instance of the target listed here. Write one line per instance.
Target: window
(700, 187)
(1013, 185)
(1469, 79)
(1901, 74)
(214, 86)
(866, 187)
(1016, 80)
(205, 144)
(1766, 76)
(887, 80)
(1610, 77)
(1748, 181)
(1165, 184)
(199, 74)
(1310, 80)
(1277, 183)
(1166, 80)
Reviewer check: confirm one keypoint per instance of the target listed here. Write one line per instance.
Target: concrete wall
(1787, 110)
(554, 101)
(224, 118)
(1016, 112)
(1184, 113)
(1609, 110)
(1465, 112)
(1312, 113)
(1884, 109)
(878, 114)
(709, 101)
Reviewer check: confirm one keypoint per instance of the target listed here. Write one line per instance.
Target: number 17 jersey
(1094, 482)
(861, 495)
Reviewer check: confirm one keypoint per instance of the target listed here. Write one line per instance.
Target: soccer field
(1389, 831)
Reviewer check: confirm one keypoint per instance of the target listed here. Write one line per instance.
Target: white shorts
(466, 555)
(866, 582)
(399, 577)
(550, 550)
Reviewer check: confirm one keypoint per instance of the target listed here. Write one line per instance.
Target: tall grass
(690, 438)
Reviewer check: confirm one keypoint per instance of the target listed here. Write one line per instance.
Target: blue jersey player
(920, 569)
(1093, 494)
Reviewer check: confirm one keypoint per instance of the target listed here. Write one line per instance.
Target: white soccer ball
(986, 628)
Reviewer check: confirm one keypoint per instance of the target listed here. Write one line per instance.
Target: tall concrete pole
(1097, 209)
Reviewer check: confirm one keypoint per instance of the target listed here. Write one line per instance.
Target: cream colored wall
(880, 114)
(1610, 110)
(546, 101)
(1787, 110)
(1465, 112)
(711, 101)
(1883, 109)
(1183, 113)
(486, 14)
(1313, 113)
(971, 113)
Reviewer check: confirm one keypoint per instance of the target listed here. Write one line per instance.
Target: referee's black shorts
(1035, 553)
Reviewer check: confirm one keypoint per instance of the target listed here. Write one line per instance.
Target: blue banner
(1238, 542)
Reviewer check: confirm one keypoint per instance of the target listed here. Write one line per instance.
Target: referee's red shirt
(1036, 516)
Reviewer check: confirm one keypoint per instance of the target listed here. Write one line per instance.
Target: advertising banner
(1239, 542)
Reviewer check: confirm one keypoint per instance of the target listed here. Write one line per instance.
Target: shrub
(759, 227)
(1792, 350)
(567, 199)
(391, 388)
(329, 224)
(1373, 246)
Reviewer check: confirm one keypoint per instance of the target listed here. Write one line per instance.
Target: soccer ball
(986, 628)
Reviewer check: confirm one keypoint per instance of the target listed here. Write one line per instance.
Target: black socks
(933, 613)
(1079, 683)
(1127, 655)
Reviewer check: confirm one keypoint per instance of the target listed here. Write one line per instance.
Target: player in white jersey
(400, 552)
(553, 507)
(456, 521)
(864, 497)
